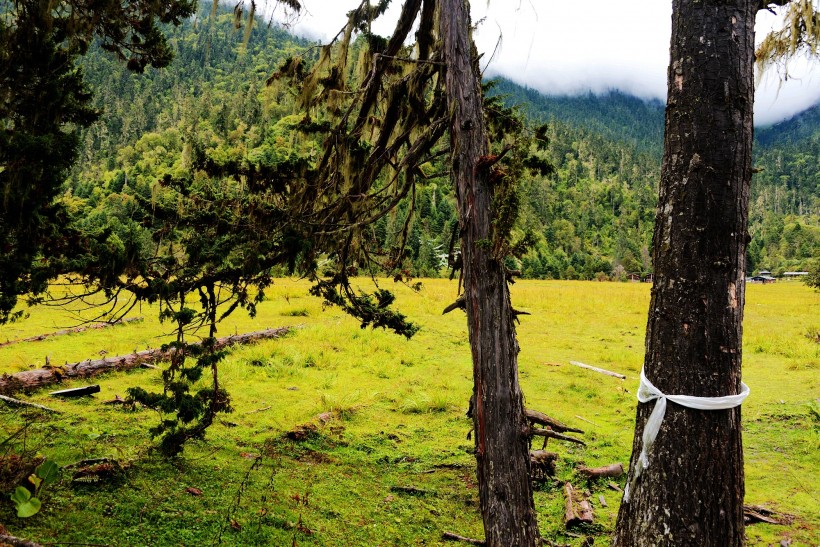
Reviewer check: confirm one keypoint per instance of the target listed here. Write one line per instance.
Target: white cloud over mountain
(592, 45)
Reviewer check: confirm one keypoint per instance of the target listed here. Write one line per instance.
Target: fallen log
(449, 536)
(578, 510)
(759, 513)
(596, 369)
(550, 434)
(72, 330)
(33, 379)
(614, 470)
(6, 539)
(542, 419)
(11, 401)
(76, 392)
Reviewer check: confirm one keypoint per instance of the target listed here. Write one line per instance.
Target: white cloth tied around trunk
(647, 392)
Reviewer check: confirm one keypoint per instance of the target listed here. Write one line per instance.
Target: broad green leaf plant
(27, 501)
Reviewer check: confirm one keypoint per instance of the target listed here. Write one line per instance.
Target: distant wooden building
(794, 274)
(634, 277)
(762, 279)
(649, 278)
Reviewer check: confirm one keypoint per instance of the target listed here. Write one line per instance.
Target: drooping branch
(800, 35)
(11, 401)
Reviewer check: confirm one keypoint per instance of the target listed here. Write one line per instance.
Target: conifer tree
(43, 105)
(686, 483)
(383, 122)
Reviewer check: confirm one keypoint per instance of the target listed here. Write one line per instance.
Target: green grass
(395, 418)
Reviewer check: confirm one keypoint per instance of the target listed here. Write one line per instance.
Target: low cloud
(566, 48)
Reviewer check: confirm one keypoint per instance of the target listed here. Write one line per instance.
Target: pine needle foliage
(186, 415)
(206, 237)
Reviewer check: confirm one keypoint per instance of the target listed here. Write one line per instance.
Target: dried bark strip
(758, 513)
(449, 536)
(72, 330)
(33, 379)
(542, 464)
(585, 420)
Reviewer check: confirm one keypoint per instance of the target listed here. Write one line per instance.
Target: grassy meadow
(390, 463)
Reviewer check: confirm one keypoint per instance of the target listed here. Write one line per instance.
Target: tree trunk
(692, 491)
(502, 451)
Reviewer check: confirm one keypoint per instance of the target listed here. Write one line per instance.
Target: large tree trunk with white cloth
(502, 451)
(691, 492)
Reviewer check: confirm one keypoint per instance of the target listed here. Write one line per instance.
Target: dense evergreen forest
(592, 218)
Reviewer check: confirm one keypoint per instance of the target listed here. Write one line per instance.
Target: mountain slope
(593, 217)
(614, 115)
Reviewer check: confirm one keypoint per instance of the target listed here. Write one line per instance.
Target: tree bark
(692, 491)
(502, 451)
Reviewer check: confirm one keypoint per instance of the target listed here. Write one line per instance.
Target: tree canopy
(44, 103)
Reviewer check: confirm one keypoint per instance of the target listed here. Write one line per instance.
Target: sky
(571, 47)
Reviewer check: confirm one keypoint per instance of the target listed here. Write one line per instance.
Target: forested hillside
(614, 115)
(592, 218)
(785, 206)
(785, 203)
